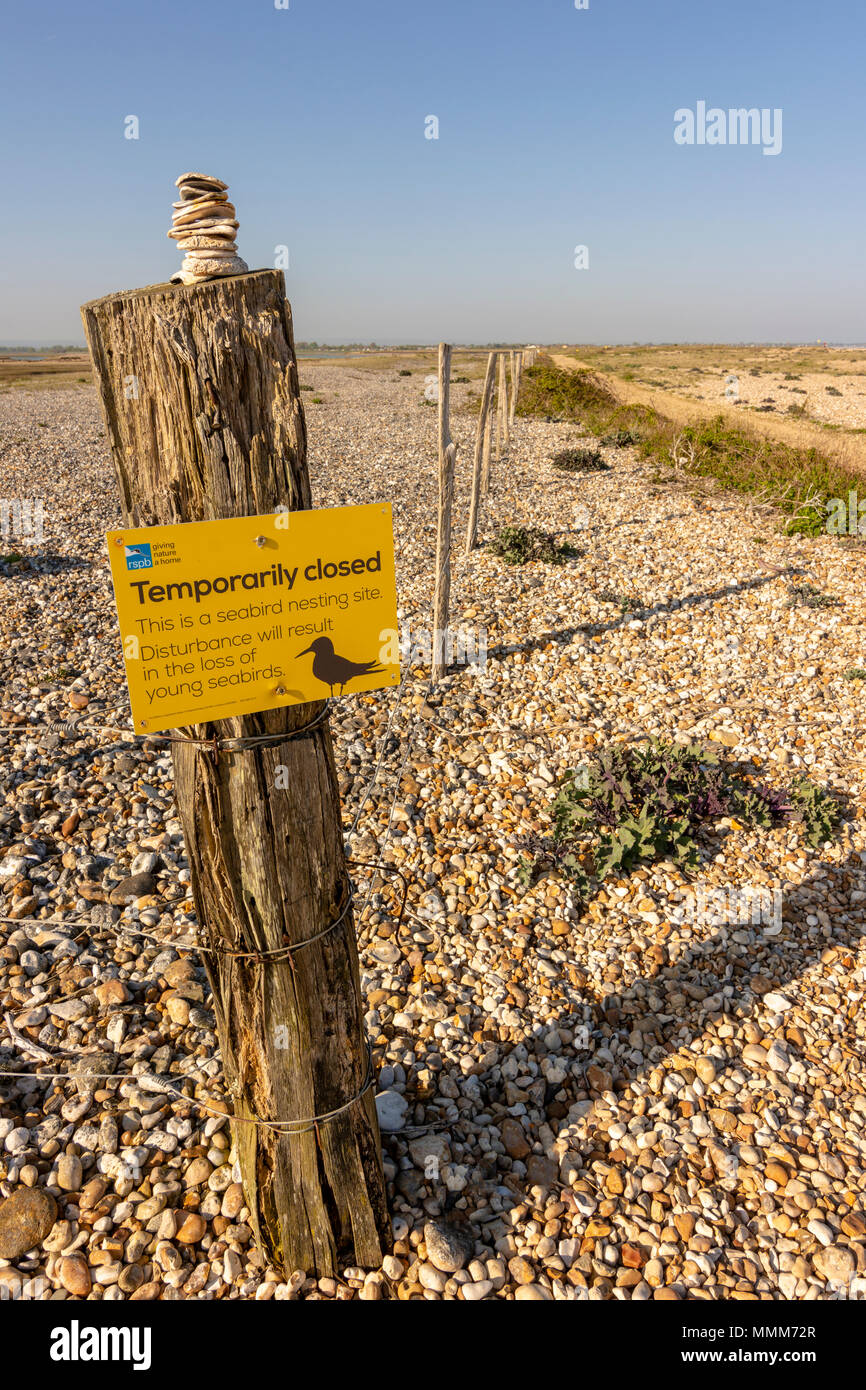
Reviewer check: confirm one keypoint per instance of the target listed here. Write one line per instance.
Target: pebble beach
(619, 1100)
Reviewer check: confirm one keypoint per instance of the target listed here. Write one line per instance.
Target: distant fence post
(447, 455)
(501, 408)
(478, 458)
(517, 373)
(488, 445)
(216, 430)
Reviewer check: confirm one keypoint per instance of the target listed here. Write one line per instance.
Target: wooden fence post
(485, 460)
(478, 459)
(501, 408)
(215, 429)
(447, 455)
(516, 373)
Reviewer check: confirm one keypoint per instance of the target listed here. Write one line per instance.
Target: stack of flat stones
(204, 227)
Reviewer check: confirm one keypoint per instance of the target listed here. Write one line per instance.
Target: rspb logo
(138, 557)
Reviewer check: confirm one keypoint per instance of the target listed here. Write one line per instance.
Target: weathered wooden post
(485, 459)
(447, 455)
(199, 389)
(502, 408)
(481, 436)
(516, 370)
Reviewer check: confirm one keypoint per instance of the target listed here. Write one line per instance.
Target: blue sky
(555, 130)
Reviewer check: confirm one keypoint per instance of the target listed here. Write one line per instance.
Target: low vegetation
(52, 367)
(620, 439)
(626, 603)
(799, 481)
(648, 801)
(807, 596)
(520, 544)
(579, 461)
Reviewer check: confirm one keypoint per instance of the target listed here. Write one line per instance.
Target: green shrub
(646, 802)
(518, 545)
(816, 812)
(624, 602)
(807, 596)
(620, 439)
(579, 461)
(550, 390)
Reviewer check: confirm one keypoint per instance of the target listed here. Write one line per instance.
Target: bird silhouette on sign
(331, 669)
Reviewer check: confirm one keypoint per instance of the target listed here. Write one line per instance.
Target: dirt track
(846, 448)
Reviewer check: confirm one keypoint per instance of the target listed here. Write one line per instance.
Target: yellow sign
(221, 618)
